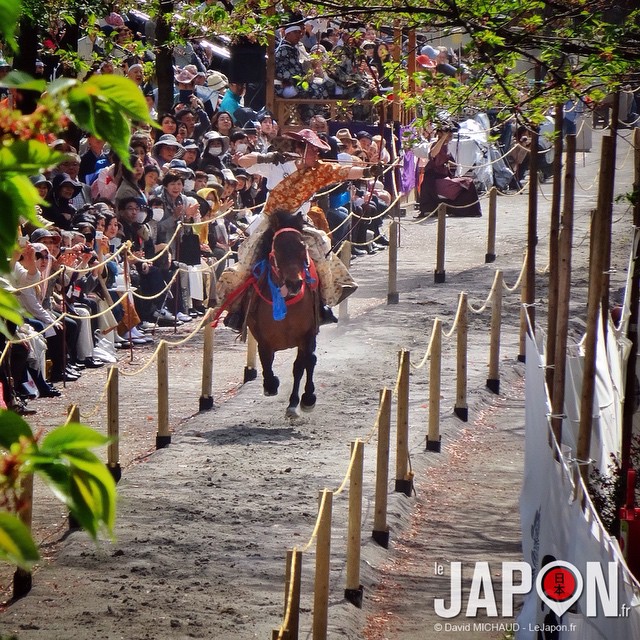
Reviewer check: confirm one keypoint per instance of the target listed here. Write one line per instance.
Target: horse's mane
(279, 220)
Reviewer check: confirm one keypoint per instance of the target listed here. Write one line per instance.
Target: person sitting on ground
(440, 183)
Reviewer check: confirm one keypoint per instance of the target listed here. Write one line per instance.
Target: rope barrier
(314, 533)
(519, 280)
(100, 403)
(485, 304)
(455, 320)
(426, 357)
(340, 489)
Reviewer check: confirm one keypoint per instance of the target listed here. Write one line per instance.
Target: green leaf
(121, 93)
(16, 544)
(81, 109)
(22, 80)
(111, 125)
(70, 437)
(10, 310)
(27, 157)
(10, 11)
(12, 426)
(18, 197)
(60, 85)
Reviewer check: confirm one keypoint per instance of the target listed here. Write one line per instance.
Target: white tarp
(554, 527)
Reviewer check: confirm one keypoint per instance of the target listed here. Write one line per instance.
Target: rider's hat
(308, 136)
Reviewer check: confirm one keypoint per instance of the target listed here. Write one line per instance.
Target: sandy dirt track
(204, 525)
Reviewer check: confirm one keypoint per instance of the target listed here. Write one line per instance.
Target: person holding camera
(440, 183)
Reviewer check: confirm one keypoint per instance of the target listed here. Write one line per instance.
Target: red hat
(425, 61)
(308, 136)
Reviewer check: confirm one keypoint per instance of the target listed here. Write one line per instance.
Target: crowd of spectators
(70, 271)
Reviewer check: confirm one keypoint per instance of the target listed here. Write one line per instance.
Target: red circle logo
(559, 584)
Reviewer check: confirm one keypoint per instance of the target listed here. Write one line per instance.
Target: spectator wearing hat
(191, 154)
(166, 148)
(43, 185)
(214, 148)
(60, 210)
(184, 81)
(232, 99)
(71, 166)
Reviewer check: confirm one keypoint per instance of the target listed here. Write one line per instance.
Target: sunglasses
(41, 256)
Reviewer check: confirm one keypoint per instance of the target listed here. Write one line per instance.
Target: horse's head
(289, 259)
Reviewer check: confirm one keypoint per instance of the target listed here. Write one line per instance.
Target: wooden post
(291, 607)
(598, 233)
(113, 425)
(439, 275)
(269, 85)
(490, 256)
(22, 578)
(163, 437)
(404, 483)
(523, 319)
(397, 57)
(632, 332)
(206, 394)
(565, 243)
(74, 416)
(392, 292)
(607, 225)
(493, 381)
(433, 436)
(380, 529)
(323, 568)
(353, 590)
(532, 223)
(345, 257)
(554, 234)
(74, 413)
(250, 371)
(461, 408)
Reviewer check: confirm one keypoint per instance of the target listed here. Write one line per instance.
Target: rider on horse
(291, 184)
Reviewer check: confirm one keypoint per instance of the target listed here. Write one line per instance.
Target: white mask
(189, 184)
(241, 148)
(141, 216)
(215, 151)
(158, 213)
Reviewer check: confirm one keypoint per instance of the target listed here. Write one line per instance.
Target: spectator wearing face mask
(239, 146)
(215, 146)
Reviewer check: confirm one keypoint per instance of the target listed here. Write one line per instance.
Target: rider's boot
(326, 315)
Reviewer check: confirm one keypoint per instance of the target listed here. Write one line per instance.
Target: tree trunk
(164, 58)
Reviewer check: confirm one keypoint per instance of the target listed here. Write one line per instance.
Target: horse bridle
(274, 262)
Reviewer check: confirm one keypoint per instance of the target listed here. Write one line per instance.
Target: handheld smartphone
(99, 235)
(22, 241)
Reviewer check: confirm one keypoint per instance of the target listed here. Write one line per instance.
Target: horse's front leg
(270, 382)
(309, 396)
(299, 366)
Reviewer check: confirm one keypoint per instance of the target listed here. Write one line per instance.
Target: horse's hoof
(271, 387)
(292, 412)
(308, 403)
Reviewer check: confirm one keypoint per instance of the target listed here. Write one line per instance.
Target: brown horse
(285, 288)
